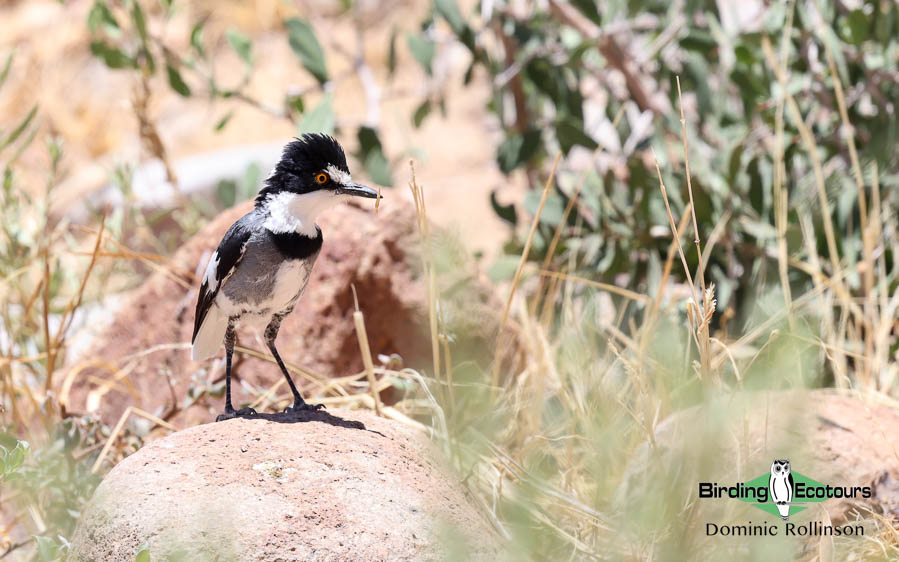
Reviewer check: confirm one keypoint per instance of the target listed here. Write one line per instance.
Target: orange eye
(321, 179)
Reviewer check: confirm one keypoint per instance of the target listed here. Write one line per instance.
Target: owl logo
(780, 485)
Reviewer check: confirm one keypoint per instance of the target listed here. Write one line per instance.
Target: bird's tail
(210, 335)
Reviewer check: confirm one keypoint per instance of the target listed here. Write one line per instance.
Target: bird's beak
(358, 190)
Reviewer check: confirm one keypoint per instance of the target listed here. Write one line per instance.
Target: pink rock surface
(320, 489)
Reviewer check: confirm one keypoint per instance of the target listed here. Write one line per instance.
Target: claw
(232, 413)
(299, 407)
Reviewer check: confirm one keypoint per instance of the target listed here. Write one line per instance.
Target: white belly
(289, 283)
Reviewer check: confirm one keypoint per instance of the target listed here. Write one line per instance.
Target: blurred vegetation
(771, 145)
(122, 41)
(554, 71)
(612, 324)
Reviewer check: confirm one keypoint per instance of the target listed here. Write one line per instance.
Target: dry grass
(607, 400)
(546, 448)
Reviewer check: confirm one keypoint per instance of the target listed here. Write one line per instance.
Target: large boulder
(344, 485)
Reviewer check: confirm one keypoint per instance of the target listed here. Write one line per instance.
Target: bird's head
(311, 176)
(779, 467)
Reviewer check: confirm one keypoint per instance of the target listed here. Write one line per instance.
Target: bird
(780, 484)
(262, 265)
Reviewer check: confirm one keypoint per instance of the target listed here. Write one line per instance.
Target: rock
(326, 487)
(374, 253)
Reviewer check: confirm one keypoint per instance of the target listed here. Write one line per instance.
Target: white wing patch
(210, 277)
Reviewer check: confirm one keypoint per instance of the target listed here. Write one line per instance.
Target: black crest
(301, 159)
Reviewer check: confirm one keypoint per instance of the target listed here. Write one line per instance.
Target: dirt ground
(90, 106)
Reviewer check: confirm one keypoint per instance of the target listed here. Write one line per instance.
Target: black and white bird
(780, 486)
(263, 263)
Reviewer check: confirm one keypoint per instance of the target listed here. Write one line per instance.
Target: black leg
(271, 332)
(230, 412)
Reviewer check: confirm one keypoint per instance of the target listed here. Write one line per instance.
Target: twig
(521, 263)
(118, 428)
(639, 297)
(702, 329)
(424, 233)
(557, 235)
(674, 232)
(616, 57)
(364, 348)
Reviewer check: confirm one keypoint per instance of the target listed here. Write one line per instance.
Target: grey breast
(253, 280)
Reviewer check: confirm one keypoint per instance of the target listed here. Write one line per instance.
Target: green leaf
(5, 72)
(140, 22)
(47, 548)
(699, 40)
(517, 149)
(166, 5)
(378, 168)
(113, 57)
(196, 37)
(368, 141)
(143, 553)
(248, 185)
(319, 119)
(223, 121)
(391, 52)
(226, 190)
(371, 153)
(423, 49)
(855, 27)
(421, 112)
(16, 457)
(570, 132)
(553, 209)
(19, 129)
(836, 48)
(588, 8)
(101, 17)
(503, 268)
(176, 82)
(450, 12)
(241, 45)
(294, 102)
(306, 46)
(505, 212)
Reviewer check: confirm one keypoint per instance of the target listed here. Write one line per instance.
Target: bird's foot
(300, 405)
(785, 517)
(232, 413)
